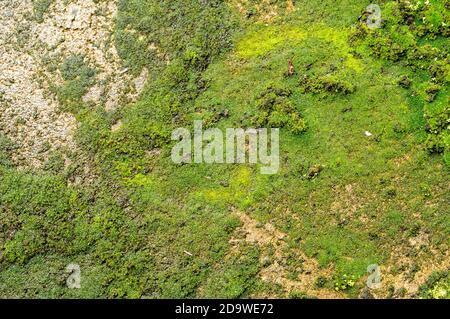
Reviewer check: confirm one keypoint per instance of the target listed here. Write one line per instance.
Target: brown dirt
(268, 236)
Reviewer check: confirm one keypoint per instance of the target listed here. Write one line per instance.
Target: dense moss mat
(149, 228)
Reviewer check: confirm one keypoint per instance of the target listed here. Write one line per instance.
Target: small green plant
(321, 281)
(344, 282)
(437, 286)
(276, 110)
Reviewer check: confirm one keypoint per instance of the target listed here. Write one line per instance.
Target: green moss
(143, 227)
(276, 110)
(344, 282)
(296, 294)
(437, 286)
(78, 77)
(37, 210)
(329, 83)
(265, 39)
(6, 148)
(148, 30)
(413, 45)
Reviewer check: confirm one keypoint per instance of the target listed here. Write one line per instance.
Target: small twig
(187, 253)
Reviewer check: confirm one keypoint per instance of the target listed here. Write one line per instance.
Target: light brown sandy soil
(267, 235)
(29, 114)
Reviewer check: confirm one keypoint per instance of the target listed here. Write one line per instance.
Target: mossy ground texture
(141, 226)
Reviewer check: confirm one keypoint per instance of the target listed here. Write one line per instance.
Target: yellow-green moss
(268, 38)
(265, 39)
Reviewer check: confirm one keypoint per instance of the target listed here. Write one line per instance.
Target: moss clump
(327, 83)
(276, 110)
(150, 33)
(411, 33)
(431, 91)
(78, 77)
(40, 7)
(236, 275)
(36, 209)
(437, 286)
(296, 294)
(55, 163)
(6, 148)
